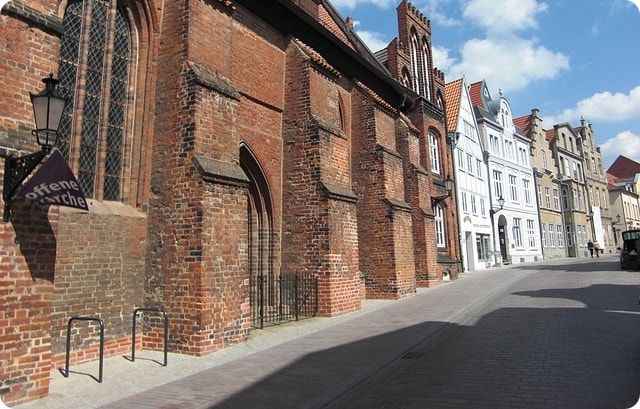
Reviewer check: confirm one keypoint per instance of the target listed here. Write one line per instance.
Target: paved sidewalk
(302, 365)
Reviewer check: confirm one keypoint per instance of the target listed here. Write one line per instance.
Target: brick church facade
(216, 144)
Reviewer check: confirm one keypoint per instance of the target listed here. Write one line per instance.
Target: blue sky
(567, 57)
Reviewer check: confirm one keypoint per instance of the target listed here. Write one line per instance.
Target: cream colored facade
(625, 210)
(545, 170)
(596, 184)
(565, 144)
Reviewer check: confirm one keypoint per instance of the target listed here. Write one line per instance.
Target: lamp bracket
(16, 170)
(437, 199)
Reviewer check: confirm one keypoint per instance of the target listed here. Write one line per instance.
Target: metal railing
(67, 358)
(290, 297)
(166, 331)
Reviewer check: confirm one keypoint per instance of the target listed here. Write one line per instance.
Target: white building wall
(472, 192)
(509, 154)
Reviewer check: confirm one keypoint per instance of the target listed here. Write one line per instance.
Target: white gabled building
(472, 187)
(507, 156)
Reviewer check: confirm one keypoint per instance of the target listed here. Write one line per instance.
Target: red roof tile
(624, 168)
(523, 123)
(549, 135)
(452, 98)
(475, 93)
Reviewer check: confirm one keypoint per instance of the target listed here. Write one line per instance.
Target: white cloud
(441, 58)
(637, 3)
(603, 106)
(504, 15)
(625, 143)
(510, 63)
(434, 12)
(352, 4)
(374, 40)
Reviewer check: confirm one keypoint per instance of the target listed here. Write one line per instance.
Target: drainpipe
(485, 156)
(535, 193)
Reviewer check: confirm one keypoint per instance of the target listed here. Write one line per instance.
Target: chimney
(582, 121)
(349, 23)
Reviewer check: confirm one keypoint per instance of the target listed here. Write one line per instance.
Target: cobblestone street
(559, 335)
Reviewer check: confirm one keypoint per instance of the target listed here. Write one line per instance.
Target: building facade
(508, 159)
(596, 184)
(218, 142)
(625, 210)
(623, 178)
(547, 186)
(566, 151)
(472, 184)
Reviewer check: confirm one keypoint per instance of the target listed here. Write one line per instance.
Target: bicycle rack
(133, 331)
(99, 321)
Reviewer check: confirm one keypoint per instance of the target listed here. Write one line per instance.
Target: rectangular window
(527, 190)
(497, 180)
(474, 209)
(547, 197)
(560, 235)
(514, 188)
(470, 164)
(482, 208)
(565, 199)
(435, 153)
(440, 228)
(605, 202)
(539, 195)
(531, 232)
(517, 232)
(464, 202)
(483, 247)
(569, 236)
(460, 159)
(556, 199)
(479, 166)
(545, 238)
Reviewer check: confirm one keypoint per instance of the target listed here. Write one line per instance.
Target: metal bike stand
(166, 331)
(99, 321)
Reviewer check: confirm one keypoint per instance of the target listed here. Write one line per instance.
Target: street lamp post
(48, 107)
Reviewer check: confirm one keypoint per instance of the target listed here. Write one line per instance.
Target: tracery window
(94, 123)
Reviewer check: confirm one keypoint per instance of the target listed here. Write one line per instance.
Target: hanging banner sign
(53, 183)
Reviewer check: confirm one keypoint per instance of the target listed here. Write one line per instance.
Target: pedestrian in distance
(597, 248)
(590, 247)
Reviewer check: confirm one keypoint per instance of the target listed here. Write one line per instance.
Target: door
(502, 237)
(471, 262)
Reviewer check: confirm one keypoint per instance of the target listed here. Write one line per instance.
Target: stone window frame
(142, 22)
(434, 149)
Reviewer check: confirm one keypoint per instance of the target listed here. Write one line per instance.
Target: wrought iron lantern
(48, 107)
(501, 202)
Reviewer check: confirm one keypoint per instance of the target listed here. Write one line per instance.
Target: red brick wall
(27, 256)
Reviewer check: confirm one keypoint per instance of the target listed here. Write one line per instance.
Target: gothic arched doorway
(502, 237)
(260, 218)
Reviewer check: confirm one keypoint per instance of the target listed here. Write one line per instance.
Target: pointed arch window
(96, 51)
(415, 63)
(425, 69)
